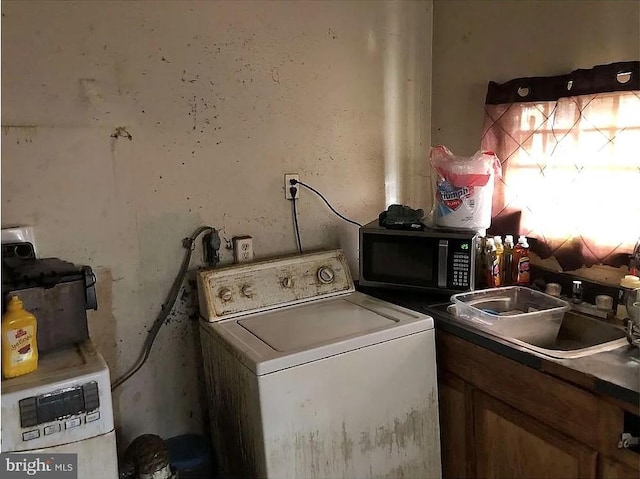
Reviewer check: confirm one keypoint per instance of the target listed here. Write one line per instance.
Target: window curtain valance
(622, 76)
(570, 152)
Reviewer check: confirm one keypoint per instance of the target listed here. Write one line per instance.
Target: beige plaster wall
(220, 99)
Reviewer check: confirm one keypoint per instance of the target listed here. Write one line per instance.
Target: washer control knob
(247, 291)
(225, 294)
(287, 282)
(326, 275)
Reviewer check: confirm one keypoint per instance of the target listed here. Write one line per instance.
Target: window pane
(574, 168)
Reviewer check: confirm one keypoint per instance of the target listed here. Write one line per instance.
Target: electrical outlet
(287, 185)
(242, 249)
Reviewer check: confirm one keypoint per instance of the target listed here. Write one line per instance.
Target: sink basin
(579, 335)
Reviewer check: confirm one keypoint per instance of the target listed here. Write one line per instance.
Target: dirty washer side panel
(233, 408)
(372, 412)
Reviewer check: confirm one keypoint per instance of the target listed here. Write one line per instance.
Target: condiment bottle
(500, 259)
(634, 260)
(481, 276)
(521, 273)
(507, 260)
(491, 266)
(19, 345)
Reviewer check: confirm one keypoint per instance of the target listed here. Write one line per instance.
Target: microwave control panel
(462, 264)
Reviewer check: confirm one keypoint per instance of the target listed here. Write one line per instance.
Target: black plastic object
(43, 273)
(402, 217)
(190, 456)
(57, 292)
(210, 247)
(20, 250)
(90, 288)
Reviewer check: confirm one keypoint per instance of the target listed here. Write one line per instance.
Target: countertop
(614, 374)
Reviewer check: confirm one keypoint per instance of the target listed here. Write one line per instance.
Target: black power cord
(294, 211)
(211, 256)
(296, 182)
(295, 222)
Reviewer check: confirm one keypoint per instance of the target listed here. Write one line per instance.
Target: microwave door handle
(443, 255)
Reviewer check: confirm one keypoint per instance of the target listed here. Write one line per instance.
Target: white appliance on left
(63, 407)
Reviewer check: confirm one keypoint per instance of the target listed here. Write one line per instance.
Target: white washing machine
(63, 407)
(307, 378)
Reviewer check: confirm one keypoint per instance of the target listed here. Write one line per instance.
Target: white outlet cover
(242, 249)
(287, 185)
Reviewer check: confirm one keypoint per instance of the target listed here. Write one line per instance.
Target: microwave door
(401, 260)
(443, 256)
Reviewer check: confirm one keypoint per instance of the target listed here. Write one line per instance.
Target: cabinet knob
(287, 282)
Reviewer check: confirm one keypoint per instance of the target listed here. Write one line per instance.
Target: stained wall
(125, 125)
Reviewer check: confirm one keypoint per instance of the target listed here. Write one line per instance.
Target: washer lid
(314, 324)
(287, 337)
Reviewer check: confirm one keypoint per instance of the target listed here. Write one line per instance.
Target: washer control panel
(252, 287)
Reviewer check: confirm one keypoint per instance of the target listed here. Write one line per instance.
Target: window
(571, 168)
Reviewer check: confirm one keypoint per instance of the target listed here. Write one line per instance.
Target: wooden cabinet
(454, 412)
(512, 444)
(614, 470)
(502, 419)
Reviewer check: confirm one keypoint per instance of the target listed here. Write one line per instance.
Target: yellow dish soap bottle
(19, 346)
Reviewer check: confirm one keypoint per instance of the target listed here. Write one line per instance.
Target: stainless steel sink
(579, 335)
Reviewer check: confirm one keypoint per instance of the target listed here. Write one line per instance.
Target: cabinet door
(511, 444)
(455, 414)
(610, 469)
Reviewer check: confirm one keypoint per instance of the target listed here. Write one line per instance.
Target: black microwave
(430, 259)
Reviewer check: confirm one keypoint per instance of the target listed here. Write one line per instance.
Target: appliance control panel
(57, 405)
(461, 270)
(462, 265)
(236, 290)
(57, 412)
(66, 400)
